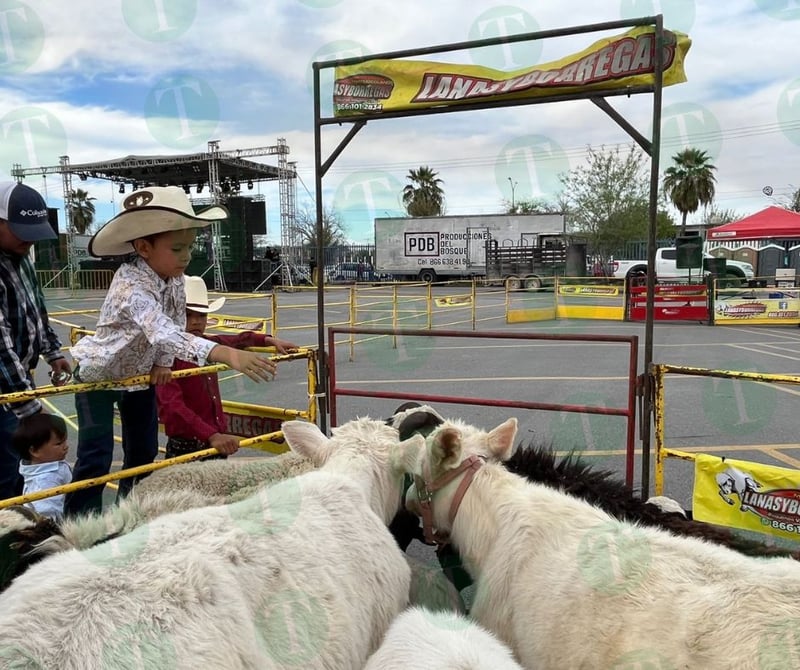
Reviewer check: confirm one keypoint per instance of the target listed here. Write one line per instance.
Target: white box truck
(449, 247)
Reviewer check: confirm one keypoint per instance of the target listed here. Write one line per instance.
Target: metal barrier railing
(267, 442)
(570, 298)
(628, 411)
(90, 280)
(659, 372)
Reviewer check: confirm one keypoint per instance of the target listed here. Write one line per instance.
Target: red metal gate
(628, 410)
(678, 302)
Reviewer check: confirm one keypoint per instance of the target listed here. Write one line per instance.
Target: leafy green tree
(81, 210)
(689, 183)
(714, 216)
(532, 206)
(607, 200)
(424, 195)
(794, 201)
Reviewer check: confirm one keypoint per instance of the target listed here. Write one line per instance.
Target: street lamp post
(513, 186)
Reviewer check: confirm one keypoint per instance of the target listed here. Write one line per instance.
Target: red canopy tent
(770, 223)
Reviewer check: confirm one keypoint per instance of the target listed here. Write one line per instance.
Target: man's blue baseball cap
(25, 211)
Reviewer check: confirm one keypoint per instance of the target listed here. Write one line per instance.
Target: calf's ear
(308, 440)
(407, 455)
(446, 449)
(500, 439)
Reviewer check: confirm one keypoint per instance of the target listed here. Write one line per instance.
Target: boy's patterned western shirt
(141, 324)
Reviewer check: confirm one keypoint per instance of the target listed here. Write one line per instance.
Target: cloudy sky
(95, 81)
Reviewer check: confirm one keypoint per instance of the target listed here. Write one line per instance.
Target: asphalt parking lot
(745, 420)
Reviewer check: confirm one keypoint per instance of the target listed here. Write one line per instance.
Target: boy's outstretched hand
(256, 366)
(224, 444)
(282, 346)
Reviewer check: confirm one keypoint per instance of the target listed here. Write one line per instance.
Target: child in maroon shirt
(191, 408)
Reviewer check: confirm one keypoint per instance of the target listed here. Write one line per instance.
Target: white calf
(172, 489)
(567, 586)
(303, 574)
(420, 638)
(225, 478)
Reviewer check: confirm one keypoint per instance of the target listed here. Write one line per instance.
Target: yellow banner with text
(611, 63)
(746, 495)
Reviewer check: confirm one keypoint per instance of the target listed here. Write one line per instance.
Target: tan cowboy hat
(149, 211)
(197, 296)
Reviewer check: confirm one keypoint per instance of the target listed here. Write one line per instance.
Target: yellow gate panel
(530, 314)
(609, 312)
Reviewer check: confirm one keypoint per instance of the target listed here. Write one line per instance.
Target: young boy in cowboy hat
(191, 407)
(140, 331)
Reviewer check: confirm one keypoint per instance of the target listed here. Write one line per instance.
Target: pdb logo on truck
(421, 244)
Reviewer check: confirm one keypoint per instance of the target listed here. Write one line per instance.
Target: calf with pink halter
(541, 561)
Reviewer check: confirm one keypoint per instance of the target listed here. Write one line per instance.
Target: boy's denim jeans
(95, 410)
(10, 479)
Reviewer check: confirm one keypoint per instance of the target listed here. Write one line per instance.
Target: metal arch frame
(650, 146)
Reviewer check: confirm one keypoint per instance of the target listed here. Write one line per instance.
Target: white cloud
(95, 69)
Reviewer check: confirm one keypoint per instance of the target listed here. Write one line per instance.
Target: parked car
(343, 272)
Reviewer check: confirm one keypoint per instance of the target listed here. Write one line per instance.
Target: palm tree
(81, 210)
(690, 182)
(424, 195)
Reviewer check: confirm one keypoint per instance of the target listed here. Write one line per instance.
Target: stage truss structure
(222, 172)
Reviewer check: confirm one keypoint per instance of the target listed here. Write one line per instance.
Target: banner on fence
(746, 495)
(593, 291)
(611, 63)
(785, 308)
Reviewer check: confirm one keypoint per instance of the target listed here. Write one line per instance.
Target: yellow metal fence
(270, 442)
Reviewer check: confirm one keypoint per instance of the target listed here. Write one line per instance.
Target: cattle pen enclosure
(559, 372)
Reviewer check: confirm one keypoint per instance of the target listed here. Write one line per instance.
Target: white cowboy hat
(149, 211)
(197, 296)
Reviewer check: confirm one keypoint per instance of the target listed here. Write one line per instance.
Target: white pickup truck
(736, 272)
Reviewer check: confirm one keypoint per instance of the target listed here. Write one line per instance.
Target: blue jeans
(10, 479)
(95, 409)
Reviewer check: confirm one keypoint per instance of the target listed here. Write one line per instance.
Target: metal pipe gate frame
(628, 411)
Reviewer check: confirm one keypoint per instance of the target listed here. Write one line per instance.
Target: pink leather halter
(425, 492)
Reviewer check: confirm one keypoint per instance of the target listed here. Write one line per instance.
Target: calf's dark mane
(602, 488)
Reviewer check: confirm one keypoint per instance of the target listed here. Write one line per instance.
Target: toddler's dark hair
(33, 431)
